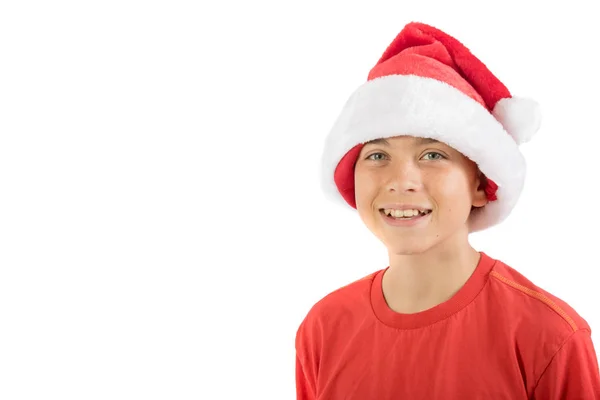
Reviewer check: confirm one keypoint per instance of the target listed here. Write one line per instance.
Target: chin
(405, 252)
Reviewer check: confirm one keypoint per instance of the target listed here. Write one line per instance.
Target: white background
(162, 228)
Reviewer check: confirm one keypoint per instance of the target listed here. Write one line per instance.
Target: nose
(404, 177)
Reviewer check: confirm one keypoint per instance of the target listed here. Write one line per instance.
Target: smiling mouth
(403, 214)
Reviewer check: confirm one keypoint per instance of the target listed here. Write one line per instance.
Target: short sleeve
(573, 371)
(305, 371)
(304, 385)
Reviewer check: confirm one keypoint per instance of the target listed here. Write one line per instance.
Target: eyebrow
(385, 142)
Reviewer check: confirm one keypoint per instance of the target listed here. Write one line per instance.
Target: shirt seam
(538, 296)
(555, 354)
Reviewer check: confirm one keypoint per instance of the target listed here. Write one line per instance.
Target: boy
(427, 152)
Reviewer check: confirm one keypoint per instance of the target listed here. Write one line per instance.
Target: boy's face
(406, 170)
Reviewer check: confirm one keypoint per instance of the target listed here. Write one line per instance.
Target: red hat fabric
(428, 84)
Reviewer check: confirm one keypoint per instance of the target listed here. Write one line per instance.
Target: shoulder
(342, 303)
(346, 297)
(524, 299)
(534, 323)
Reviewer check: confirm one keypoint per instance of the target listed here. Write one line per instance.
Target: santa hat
(428, 84)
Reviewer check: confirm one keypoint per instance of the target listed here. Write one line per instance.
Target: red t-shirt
(499, 337)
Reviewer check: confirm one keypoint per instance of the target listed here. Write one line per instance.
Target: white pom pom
(521, 117)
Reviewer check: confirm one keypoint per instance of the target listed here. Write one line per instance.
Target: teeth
(402, 213)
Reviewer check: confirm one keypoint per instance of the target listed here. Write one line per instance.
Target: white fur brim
(411, 105)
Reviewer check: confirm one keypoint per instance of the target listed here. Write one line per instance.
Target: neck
(418, 282)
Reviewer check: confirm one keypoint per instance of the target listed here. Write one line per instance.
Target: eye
(435, 156)
(375, 154)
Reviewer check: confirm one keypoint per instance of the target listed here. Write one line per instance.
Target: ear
(479, 197)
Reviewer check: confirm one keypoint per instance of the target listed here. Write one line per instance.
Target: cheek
(452, 194)
(449, 180)
(365, 187)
